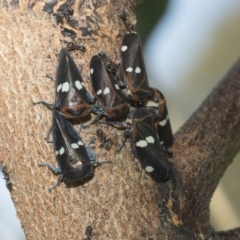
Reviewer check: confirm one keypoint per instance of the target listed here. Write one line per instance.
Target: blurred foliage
(148, 14)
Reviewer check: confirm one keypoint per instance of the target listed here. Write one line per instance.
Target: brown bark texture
(233, 234)
(118, 202)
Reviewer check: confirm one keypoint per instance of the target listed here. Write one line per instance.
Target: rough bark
(233, 234)
(118, 202)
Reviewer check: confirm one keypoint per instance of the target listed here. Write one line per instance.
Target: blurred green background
(145, 24)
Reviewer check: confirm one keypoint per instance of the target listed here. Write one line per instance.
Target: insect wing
(71, 96)
(132, 68)
(69, 149)
(163, 125)
(164, 129)
(147, 146)
(106, 89)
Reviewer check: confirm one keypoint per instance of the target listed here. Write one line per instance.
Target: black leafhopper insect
(163, 125)
(144, 142)
(107, 91)
(75, 160)
(71, 96)
(132, 69)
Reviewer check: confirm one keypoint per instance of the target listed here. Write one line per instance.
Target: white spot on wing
(59, 87)
(80, 143)
(61, 151)
(138, 70)
(99, 92)
(149, 169)
(128, 92)
(106, 91)
(116, 86)
(152, 104)
(129, 69)
(65, 87)
(150, 139)
(128, 120)
(124, 48)
(56, 153)
(91, 71)
(78, 85)
(161, 142)
(74, 145)
(163, 122)
(141, 143)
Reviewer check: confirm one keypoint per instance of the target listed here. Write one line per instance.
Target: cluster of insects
(120, 92)
(122, 96)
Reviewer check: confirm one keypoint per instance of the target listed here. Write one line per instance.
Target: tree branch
(233, 234)
(118, 202)
(204, 147)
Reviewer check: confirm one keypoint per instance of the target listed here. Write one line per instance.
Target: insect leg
(57, 184)
(127, 132)
(47, 76)
(49, 105)
(90, 151)
(53, 169)
(100, 111)
(80, 128)
(48, 134)
(92, 155)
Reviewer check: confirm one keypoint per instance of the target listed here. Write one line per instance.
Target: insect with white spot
(132, 69)
(144, 142)
(163, 125)
(71, 96)
(75, 160)
(109, 95)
